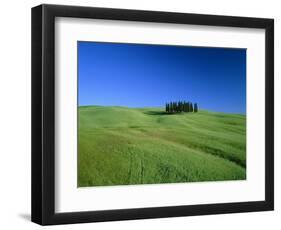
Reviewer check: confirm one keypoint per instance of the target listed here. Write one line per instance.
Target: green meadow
(123, 146)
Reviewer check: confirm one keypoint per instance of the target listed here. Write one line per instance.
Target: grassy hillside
(120, 146)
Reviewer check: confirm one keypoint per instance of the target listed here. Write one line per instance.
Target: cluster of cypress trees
(181, 106)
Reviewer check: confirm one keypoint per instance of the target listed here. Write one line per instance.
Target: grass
(122, 146)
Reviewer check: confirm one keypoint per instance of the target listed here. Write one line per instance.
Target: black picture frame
(43, 114)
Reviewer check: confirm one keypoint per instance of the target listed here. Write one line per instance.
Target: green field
(122, 146)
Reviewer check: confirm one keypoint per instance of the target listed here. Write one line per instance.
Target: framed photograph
(142, 114)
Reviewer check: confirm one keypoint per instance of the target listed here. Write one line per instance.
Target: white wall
(15, 113)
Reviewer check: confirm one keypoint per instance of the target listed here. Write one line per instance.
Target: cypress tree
(187, 107)
(181, 106)
(195, 108)
(191, 107)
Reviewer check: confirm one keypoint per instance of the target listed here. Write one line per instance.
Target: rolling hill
(122, 146)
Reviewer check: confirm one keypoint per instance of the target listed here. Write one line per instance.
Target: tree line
(181, 106)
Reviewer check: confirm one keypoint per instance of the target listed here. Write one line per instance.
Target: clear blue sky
(140, 75)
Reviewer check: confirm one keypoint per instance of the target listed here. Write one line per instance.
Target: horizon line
(202, 109)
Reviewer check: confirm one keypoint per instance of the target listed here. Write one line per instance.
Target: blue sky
(141, 75)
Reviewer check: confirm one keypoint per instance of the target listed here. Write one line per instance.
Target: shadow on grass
(157, 113)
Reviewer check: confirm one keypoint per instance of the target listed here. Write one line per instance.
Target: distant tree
(190, 107)
(195, 108)
(175, 106)
(182, 106)
(179, 106)
(182, 109)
